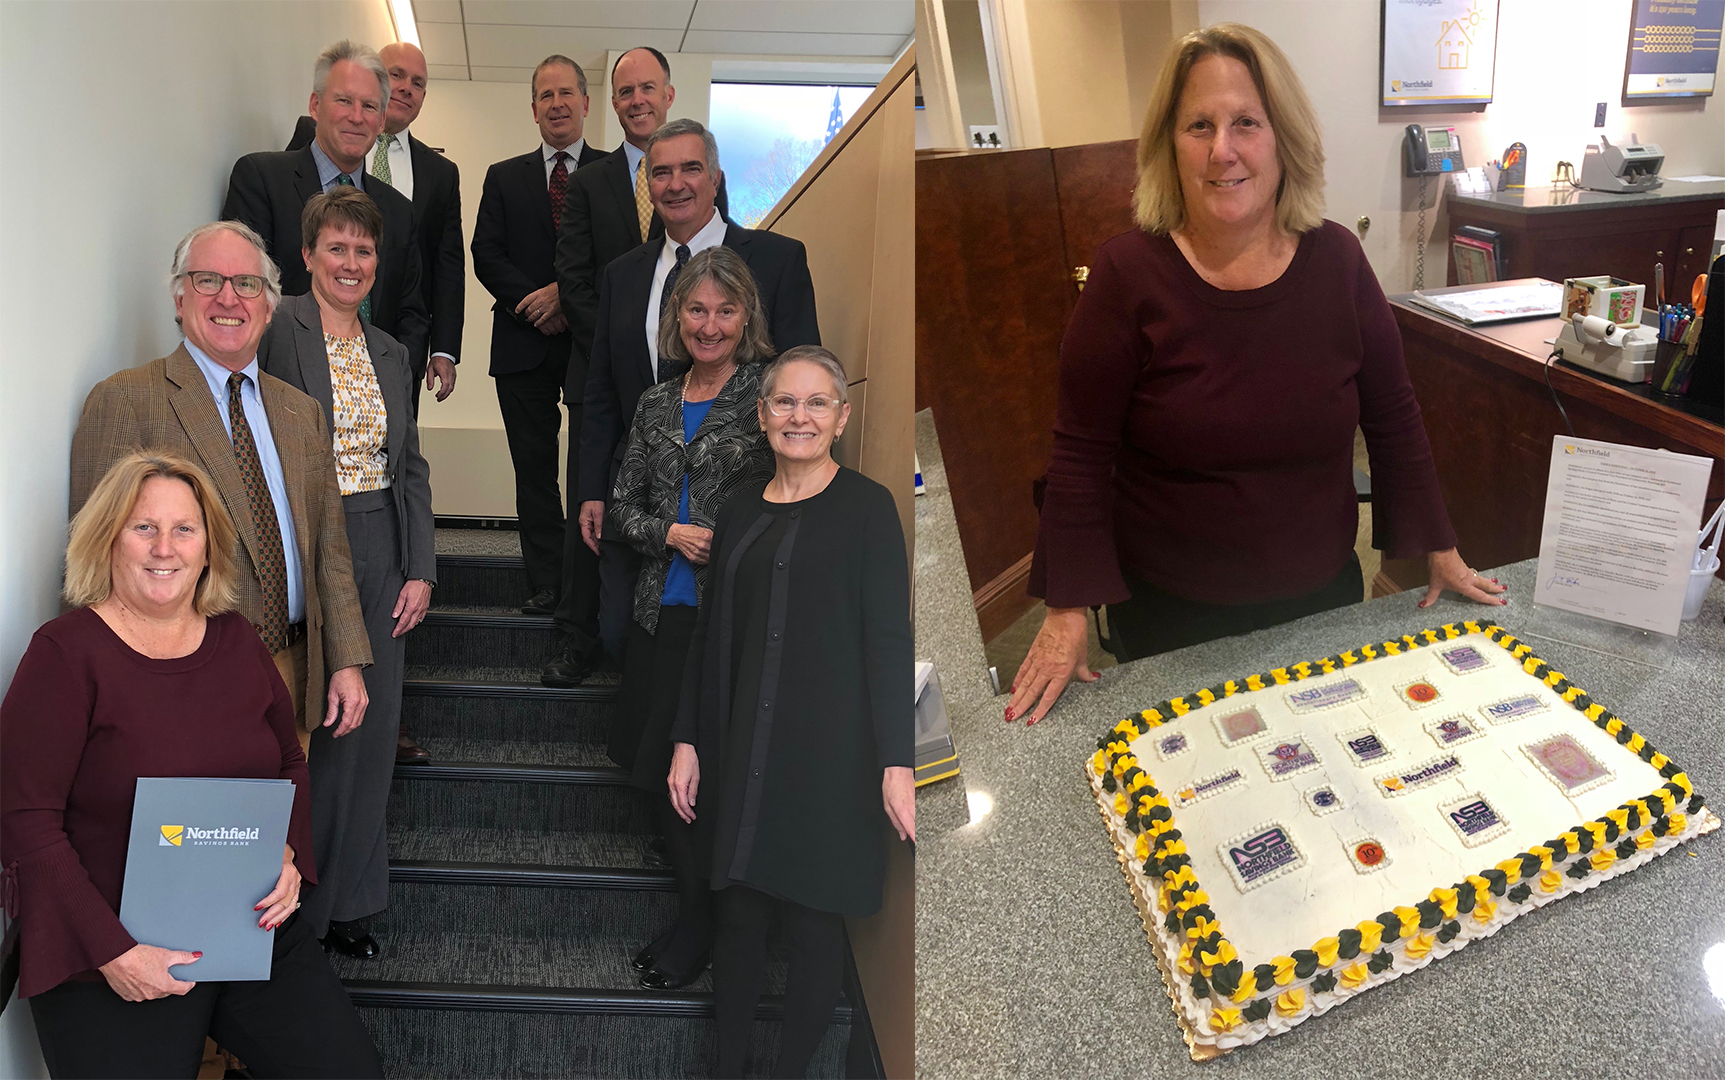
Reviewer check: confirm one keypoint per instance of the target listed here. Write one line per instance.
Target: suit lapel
(538, 190)
(640, 292)
(618, 177)
(288, 427)
(305, 181)
(189, 397)
(395, 405)
(312, 355)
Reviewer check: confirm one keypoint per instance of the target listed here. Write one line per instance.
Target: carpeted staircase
(519, 880)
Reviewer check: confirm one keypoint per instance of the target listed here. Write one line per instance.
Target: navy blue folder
(203, 852)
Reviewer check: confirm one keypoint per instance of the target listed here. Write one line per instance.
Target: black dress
(799, 693)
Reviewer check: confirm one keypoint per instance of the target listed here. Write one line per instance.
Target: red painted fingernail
(1009, 714)
(1503, 603)
(1030, 723)
(197, 955)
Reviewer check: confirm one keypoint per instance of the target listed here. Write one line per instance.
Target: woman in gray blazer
(324, 344)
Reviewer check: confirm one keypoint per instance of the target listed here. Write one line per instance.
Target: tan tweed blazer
(166, 405)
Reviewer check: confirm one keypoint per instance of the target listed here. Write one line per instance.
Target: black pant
(528, 401)
(578, 609)
(298, 1023)
(1153, 621)
(817, 940)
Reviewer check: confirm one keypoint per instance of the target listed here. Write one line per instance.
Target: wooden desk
(1491, 421)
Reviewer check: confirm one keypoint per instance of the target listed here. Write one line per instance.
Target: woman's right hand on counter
(693, 541)
(684, 779)
(141, 973)
(1060, 653)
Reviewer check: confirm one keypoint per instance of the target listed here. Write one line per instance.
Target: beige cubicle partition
(855, 209)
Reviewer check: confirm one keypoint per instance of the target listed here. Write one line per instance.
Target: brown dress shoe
(408, 752)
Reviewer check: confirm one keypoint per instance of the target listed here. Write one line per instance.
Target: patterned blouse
(361, 428)
(729, 452)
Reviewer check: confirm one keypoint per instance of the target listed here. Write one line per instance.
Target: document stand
(1601, 636)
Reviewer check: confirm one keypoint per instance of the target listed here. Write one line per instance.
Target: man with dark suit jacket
(306, 608)
(682, 160)
(268, 191)
(606, 213)
(514, 240)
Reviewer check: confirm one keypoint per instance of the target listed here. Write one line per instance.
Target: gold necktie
(643, 203)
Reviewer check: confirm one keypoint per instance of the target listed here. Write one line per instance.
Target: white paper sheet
(1619, 532)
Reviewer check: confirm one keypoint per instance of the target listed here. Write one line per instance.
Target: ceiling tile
(779, 44)
(448, 72)
(635, 15)
(443, 43)
(492, 45)
(893, 17)
(436, 11)
(522, 75)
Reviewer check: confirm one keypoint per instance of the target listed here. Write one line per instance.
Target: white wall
(1550, 73)
(123, 122)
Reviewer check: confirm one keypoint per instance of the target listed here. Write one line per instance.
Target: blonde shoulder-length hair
(1158, 205)
(89, 566)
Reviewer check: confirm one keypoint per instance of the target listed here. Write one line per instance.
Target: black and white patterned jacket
(729, 452)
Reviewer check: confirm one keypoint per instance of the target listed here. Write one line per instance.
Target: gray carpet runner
(520, 882)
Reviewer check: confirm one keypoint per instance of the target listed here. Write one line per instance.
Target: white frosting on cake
(1295, 907)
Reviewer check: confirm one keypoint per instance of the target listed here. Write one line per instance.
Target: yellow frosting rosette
(1355, 974)
(1290, 1002)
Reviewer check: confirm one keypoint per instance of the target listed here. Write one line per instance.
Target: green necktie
(380, 160)
(344, 180)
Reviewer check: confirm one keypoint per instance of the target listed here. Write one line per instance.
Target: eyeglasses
(818, 406)
(208, 282)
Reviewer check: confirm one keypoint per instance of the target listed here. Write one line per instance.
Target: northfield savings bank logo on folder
(202, 853)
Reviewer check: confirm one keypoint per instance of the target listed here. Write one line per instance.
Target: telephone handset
(1430, 151)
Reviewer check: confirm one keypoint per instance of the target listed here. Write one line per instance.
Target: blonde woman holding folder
(152, 674)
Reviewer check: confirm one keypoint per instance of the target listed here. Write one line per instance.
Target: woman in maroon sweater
(152, 675)
(1212, 377)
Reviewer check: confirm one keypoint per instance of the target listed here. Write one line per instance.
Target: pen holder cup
(1698, 582)
(1667, 378)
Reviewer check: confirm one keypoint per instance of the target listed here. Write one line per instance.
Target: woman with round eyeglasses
(795, 731)
(324, 344)
(696, 439)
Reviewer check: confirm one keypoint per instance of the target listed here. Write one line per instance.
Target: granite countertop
(1556, 198)
(1031, 960)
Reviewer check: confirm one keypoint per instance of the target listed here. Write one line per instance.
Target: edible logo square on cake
(1323, 799)
(1365, 746)
(1199, 790)
(1240, 726)
(1288, 757)
(1452, 730)
(1513, 708)
(1306, 699)
(1568, 764)
(1172, 745)
(1262, 855)
(1463, 659)
(1418, 776)
(1474, 819)
(1419, 693)
(1367, 854)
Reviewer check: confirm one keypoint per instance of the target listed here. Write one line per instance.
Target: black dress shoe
(351, 941)
(570, 669)
(657, 979)
(408, 752)
(543, 602)
(656, 852)
(650, 952)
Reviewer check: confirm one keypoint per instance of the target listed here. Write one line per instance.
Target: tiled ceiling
(502, 40)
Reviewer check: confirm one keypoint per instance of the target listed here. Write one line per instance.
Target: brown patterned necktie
(559, 189)
(643, 200)
(272, 568)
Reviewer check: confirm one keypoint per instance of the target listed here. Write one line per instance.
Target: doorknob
(1081, 274)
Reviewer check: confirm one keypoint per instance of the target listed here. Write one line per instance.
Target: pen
(1659, 283)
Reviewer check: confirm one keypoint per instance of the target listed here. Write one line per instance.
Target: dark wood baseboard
(1002, 601)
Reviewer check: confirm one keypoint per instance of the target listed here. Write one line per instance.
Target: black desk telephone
(1431, 151)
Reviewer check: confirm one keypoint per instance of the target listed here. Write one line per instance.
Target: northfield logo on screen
(177, 835)
(1398, 85)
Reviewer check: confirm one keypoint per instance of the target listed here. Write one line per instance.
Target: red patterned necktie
(559, 188)
(272, 568)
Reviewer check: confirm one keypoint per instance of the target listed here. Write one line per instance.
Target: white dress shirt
(712, 234)
(549, 153)
(400, 164)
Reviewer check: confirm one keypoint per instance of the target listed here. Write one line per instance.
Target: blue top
(680, 578)
(217, 377)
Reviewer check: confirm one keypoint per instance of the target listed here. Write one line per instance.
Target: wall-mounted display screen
(1673, 50)
(1437, 52)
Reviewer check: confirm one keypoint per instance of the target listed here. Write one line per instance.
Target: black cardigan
(834, 707)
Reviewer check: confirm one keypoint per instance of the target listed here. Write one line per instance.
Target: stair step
(512, 682)
(429, 1041)
(482, 580)
(521, 800)
(508, 772)
(434, 871)
(478, 636)
(386, 993)
(493, 542)
(443, 843)
(563, 752)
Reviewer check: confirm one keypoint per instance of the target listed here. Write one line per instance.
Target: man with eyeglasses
(265, 446)
(682, 163)
(268, 191)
